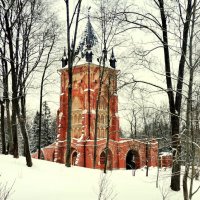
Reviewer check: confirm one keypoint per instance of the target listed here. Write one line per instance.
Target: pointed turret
(88, 54)
(88, 41)
(90, 37)
(64, 58)
(113, 60)
(105, 53)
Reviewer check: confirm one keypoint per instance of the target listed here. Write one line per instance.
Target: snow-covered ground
(52, 181)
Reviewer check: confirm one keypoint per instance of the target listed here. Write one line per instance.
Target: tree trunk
(101, 75)
(108, 127)
(14, 131)
(40, 116)
(22, 96)
(41, 96)
(175, 178)
(89, 112)
(3, 136)
(69, 114)
(185, 187)
(5, 95)
(70, 76)
(190, 96)
(147, 157)
(14, 86)
(190, 154)
(22, 123)
(175, 105)
(9, 127)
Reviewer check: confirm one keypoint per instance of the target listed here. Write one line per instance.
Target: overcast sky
(54, 90)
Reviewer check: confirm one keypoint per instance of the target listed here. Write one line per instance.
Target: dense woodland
(157, 50)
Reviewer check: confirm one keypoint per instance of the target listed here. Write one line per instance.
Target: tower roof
(88, 38)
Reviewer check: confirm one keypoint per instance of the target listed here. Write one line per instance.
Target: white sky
(126, 66)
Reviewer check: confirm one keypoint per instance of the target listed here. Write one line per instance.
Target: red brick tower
(122, 152)
(85, 86)
(85, 89)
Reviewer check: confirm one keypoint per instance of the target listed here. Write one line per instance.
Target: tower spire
(89, 13)
(88, 39)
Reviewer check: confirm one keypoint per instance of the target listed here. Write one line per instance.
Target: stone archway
(132, 160)
(103, 158)
(74, 157)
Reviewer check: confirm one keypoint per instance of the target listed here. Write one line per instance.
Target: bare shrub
(5, 191)
(164, 191)
(106, 191)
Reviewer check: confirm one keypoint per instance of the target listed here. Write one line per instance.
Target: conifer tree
(34, 133)
(48, 134)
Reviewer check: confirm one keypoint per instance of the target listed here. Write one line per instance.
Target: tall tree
(26, 38)
(48, 132)
(108, 26)
(33, 134)
(12, 22)
(148, 21)
(71, 44)
(108, 122)
(6, 100)
(190, 149)
(48, 63)
(3, 135)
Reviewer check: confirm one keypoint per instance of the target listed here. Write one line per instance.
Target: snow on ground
(53, 181)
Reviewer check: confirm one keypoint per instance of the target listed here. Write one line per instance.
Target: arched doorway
(74, 158)
(132, 160)
(53, 156)
(103, 159)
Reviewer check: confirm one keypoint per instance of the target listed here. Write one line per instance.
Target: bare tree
(53, 37)
(190, 149)
(158, 26)
(133, 121)
(71, 56)
(108, 28)
(108, 122)
(164, 191)
(26, 39)
(5, 99)
(5, 191)
(3, 135)
(105, 188)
